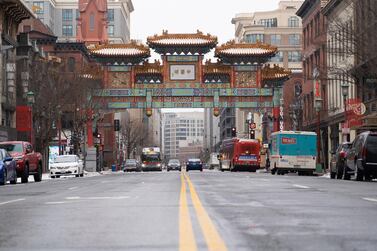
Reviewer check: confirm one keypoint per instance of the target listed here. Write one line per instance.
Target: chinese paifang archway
(183, 79)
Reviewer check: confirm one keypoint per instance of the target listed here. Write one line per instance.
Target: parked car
(338, 160)
(67, 165)
(8, 170)
(131, 165)
(362, 157)
(194, 164)
(174, 164)
(28, 161)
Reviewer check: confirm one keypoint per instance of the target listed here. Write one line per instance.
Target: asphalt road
(194, 211)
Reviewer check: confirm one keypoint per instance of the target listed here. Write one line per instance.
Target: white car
(66, 165)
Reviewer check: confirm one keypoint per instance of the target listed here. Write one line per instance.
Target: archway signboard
(238, 79)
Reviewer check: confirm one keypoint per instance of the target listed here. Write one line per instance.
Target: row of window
(275, 39)
(67, 30)
(293, 56)
(273, 22)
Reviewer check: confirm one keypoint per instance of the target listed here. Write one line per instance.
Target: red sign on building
(355, 110)
(23, 118)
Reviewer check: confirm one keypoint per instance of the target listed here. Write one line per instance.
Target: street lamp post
(30, 101)
(318, 108)
(345, 87)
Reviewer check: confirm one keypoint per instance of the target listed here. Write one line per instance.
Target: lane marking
(211, 235)
(300, 186)
(55, 202)
(186, 234)
(370, 199)
(11, 201)
(98, 198)
(72, 188)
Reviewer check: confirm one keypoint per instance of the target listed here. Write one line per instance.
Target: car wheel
(168, 170)
(201, 169)
(38, 175)
(52, 177)
(339, 172)
(359, 174)
(346, 175)
(77, 175)
(57, 176)
(4, 179)
(25, 175)
(14, 181)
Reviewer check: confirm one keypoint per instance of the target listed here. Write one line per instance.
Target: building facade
(62, 17)
(12, 13)
(340, 62)
(314, 89)
(365, 69)
(281, 28)
(182, 131)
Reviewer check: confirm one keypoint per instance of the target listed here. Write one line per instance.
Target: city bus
(293, 152)
(240, 155)
(151, 159)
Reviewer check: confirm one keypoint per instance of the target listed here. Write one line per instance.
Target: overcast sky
(186, 16)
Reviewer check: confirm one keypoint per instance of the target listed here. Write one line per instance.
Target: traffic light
(252, 134)
(96, 134)
(234, 132)
(116, 125)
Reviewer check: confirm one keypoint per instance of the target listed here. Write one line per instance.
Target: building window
(77, 13)
(110, 30)
(275, 39)
(67, 14)
(270, 22)
(71, 64)
(293, 22)
(294, 39)
(278, 57)
(67, 30)
(91, 22)
(38, 7)
(294, 56)
(110, 15)
(253, 38)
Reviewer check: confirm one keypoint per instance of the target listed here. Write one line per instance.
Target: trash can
(113, 167)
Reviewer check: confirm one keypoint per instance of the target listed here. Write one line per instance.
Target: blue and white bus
(293, 152)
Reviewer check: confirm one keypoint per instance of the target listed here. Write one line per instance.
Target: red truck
(28, 161)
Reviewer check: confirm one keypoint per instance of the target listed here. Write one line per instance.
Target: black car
(362, 157)
(174, 164)
(194, 164)
(338, 160)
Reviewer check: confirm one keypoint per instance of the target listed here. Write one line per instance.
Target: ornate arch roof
(181, 42)
(245, 53)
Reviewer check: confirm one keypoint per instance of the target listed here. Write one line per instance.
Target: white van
(213, 161)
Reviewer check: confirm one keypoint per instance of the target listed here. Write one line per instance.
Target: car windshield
(194, 160)
(11, 148)
(130, 161)
(173, 161)
(65, 159)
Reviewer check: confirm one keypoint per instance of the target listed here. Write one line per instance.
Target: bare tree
(134, 134)
(59, 92)
(352, 42)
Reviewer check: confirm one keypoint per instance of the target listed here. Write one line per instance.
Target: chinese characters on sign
(182, 72)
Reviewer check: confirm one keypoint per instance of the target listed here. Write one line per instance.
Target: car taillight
(342, 154)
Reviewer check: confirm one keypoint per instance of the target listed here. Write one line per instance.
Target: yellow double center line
(187, 240)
